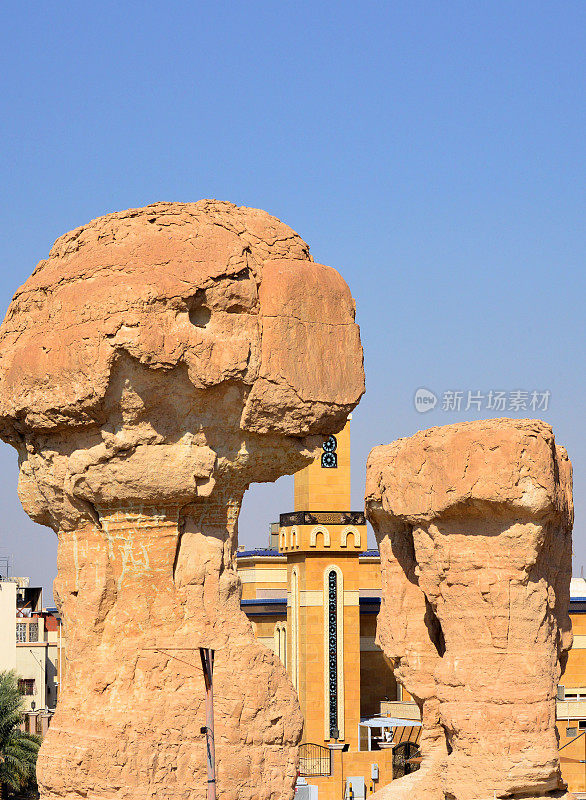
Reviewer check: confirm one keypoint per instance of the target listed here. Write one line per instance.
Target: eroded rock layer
(158, 362)
(474, 527)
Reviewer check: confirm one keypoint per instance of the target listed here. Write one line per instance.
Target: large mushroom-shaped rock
(158, 362)
(474, 526)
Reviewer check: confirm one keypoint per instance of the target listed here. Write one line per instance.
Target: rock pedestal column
(474, 527)
(154, 366)
(141, 591)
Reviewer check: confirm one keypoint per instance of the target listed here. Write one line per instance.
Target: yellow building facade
(571, 705)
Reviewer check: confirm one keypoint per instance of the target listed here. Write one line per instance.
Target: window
(21, 631)
(295, 627)
(333, 624)
(280, 639)
(33, 632)
(329, 458)
(26, 686)
(333, 651)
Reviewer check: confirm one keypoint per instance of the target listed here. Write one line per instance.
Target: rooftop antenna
(582, 571)
(5, 566)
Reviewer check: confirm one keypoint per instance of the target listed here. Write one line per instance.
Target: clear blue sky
(434, 152)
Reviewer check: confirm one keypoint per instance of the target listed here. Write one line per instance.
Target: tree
(18, 750)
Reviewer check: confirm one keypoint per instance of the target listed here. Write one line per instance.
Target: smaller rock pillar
(474, 527)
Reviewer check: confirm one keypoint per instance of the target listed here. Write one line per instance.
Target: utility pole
(207, 665)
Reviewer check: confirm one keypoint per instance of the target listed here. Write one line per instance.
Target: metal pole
(207, 665)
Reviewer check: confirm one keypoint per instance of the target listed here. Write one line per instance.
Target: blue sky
(432, 151)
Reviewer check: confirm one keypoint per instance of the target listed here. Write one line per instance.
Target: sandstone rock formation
(474, 527)
(158, 362)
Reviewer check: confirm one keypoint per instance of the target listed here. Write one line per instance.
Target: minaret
(322, 540)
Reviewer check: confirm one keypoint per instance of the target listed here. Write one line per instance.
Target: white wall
(31, 662)
(7, 625)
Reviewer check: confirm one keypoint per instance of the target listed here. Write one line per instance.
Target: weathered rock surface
(158, 362)
(474, 527)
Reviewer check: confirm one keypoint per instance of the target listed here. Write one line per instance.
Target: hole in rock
(434, 628)
(448, 743)
(199, 313)
(243, 275)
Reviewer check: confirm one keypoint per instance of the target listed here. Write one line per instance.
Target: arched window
(280, 637)
(295, 628)
(283, 642)
(333, 653)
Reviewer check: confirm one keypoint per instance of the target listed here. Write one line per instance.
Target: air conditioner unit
(304, 791)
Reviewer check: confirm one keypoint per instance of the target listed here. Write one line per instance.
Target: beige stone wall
(370, 576)
(264, 574)
(7, 625)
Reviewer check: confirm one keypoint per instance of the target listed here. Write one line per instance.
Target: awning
(390, 722)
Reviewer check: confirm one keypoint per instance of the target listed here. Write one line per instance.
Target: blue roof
(259, 551)
(264, 601)
(271, 553)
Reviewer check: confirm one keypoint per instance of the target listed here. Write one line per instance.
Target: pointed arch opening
(333, 605)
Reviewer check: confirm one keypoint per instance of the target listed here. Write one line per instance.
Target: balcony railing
(314, 760)
(322, 518)
(571, 708)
